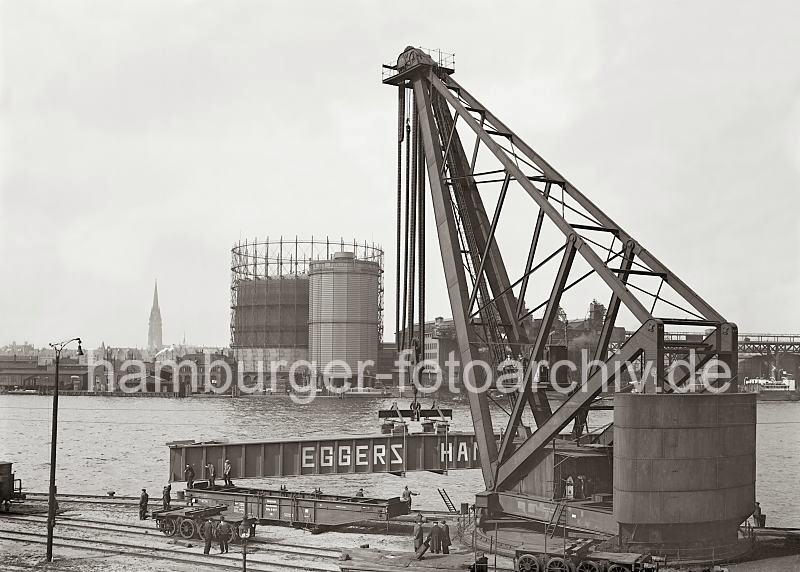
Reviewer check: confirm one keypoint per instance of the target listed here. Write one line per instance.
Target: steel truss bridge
(749, 344)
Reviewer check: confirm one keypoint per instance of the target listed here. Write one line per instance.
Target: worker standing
(416, 408)
(212, 473)
(580, 487)
(208, 535)
(226, 473)
(435, 538)
(360, 494)
(406, 496)
(166, 497)
(759, 517)
(223, 534)
(188, 475)
(446, 542)
(481, 563)
(143, 500)
(418, 534)
(569, 491)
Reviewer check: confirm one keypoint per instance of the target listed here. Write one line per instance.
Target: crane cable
(421, 232)
(404, 330)
(410, 242)
(412, 230)
(401, 108)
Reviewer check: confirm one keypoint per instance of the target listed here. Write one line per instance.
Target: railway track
(227, 561)
(99, 499)
(110, 526)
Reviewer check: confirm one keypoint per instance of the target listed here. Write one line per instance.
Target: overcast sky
(141, 139)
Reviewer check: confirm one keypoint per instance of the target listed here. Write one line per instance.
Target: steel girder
(455, 276)
(474, 266)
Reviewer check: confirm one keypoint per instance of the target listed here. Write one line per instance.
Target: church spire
(154, 341)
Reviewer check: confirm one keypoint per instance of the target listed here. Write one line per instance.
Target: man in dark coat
(223, 534)
(445, 534)
(166, 497)
(759, 517)
(435, 538)
(418, 534)
(208, 535)
(188, 475)
(143, 500)
(212, 473)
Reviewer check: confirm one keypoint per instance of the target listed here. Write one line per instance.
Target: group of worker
(188, 475)
(144, 500)
(222, 532)
(579, 487)
(211, 472)
(438, 540)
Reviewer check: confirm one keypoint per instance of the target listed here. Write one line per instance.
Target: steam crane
(663, 494)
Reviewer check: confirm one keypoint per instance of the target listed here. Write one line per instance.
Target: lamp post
(51, 505)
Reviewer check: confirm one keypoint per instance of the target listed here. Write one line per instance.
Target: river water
(107, 443)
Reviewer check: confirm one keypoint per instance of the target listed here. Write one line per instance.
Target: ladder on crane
(556, 519)
(447, 500)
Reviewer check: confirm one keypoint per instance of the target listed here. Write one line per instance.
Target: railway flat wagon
(10, 487)
(307, 510)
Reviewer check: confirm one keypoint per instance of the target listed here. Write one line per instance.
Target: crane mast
(466, 154)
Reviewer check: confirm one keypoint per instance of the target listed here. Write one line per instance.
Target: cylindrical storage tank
(684, 472)
(344, 315)
(271, 312)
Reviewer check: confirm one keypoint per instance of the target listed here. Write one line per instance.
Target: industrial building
(567, 339)
(438, 347)
(276, 285)
(35, 374)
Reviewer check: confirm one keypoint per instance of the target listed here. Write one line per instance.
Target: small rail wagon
(187, 522)
(10, 487)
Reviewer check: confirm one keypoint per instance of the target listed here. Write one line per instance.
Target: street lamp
(51, 505)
